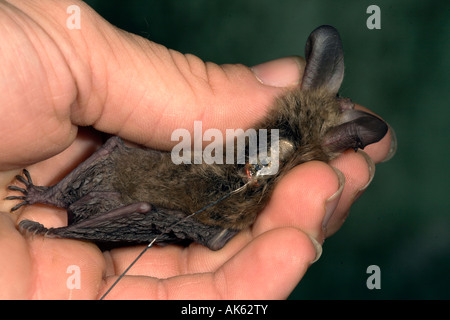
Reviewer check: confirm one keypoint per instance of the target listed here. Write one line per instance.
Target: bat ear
(359, 130)
(324, 60)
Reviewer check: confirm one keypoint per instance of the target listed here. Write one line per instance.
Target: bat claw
(17, 206)
(16, 188)
(27, 182)
(16, 198)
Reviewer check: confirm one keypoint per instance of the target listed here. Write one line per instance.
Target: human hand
(55, 79)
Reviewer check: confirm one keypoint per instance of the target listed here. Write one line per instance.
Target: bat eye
(251, 172)
(255, 172)
(266, 165)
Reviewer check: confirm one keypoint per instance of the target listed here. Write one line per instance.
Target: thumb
(145, 91)
(159, 90)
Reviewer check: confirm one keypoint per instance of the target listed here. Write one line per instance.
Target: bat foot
(30, 193)
(28, 226)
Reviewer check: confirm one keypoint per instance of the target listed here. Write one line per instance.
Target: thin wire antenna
(129, 267)
(166, 231)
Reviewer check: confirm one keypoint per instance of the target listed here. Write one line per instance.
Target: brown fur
(302, 117)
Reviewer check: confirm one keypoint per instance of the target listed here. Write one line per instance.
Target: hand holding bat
(106, 98)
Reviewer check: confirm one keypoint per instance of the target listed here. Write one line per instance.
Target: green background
(401, 72)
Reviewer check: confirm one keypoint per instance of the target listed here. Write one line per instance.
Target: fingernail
(283, 72)
(332, 202)
(317, 247)
(393, 148)
(371, 166)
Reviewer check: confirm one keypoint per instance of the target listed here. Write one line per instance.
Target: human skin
(55, 80)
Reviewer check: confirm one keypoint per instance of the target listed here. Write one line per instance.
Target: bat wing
(102, 217)
(137, 223)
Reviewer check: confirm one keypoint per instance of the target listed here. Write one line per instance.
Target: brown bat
(123, 195)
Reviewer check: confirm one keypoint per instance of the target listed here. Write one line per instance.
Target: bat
(125, 195)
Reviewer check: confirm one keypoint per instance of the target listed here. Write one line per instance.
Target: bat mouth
(357, 130)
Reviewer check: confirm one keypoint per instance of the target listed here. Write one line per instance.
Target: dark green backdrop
(402, 222)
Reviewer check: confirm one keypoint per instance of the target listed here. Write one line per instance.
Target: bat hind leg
(137, 223)
(108, 226)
